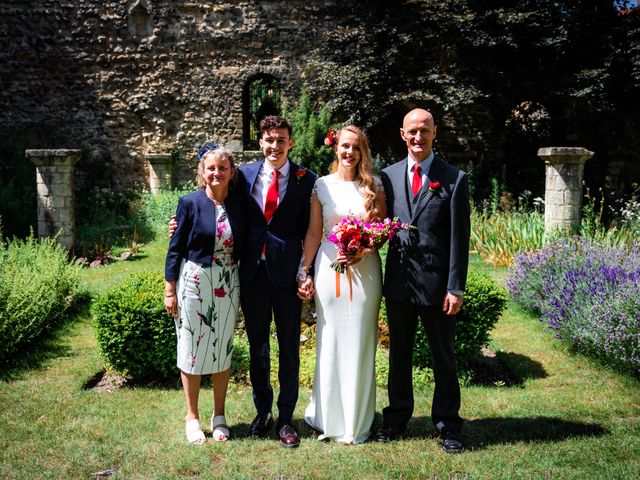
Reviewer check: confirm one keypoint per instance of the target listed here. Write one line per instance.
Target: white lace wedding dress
(343, 401)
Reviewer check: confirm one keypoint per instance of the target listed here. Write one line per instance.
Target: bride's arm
(311, 243)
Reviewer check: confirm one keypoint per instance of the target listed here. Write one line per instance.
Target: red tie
(271, 202)
(416, 181)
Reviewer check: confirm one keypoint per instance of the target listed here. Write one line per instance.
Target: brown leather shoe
(288, 436)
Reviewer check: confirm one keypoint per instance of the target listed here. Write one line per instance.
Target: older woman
(202, 285)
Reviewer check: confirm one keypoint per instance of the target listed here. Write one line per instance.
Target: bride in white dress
(343, 401)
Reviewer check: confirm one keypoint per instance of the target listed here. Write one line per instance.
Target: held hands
(305, 288)
(452, 304)
(173, 225)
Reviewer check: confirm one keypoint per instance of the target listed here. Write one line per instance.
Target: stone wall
(116, 77)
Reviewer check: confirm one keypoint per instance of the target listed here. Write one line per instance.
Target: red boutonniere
(331, 138)
(433, 186)
(299, 174)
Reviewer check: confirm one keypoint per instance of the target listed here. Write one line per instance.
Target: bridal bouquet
(354, 237)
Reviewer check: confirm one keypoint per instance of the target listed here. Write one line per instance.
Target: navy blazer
(195, 236)
(284, 233)
(422, 264)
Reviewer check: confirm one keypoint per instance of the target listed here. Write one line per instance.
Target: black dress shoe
(451, 442)
(261, 425)
(288, 436)
(388, 433)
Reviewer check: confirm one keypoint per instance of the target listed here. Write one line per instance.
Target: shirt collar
(425, 165)
(284, 170)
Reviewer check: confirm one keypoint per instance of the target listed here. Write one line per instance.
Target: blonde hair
(219, 153)
(364, 170)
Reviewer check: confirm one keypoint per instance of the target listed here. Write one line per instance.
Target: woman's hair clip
(206, 147)
(331, 138)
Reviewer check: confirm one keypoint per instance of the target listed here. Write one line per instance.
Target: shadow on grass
(483, 432)
(503, 369)
(52, 344)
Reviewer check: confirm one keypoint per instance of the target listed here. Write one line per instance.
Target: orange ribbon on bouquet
(350, 283)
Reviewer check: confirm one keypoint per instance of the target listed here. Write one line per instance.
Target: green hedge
(484, 302)
(37, 285)
(135, 334)
(137, 337)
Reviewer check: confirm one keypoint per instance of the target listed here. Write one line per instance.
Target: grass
(567, 418)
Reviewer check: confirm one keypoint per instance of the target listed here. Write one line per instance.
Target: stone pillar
(563, 186)
(159, 172)
(54, 182)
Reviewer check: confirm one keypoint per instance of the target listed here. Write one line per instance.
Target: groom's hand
(452, 304)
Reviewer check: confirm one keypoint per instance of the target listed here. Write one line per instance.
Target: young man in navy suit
(278, 194)
(425, 276)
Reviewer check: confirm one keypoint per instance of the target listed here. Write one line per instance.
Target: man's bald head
(418, 132)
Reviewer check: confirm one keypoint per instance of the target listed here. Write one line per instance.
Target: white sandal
(195, 434)
(219, 429)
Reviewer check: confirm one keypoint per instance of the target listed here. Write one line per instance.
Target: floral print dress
(208, 301)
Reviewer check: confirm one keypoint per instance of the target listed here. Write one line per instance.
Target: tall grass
(498, 236)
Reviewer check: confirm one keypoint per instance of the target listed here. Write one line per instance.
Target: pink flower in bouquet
(352, 235)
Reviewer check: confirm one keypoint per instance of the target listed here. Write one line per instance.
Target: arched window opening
(262, 97)
(139, 19)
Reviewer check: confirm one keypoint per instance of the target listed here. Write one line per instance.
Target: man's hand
(173, 225)
(452, 304)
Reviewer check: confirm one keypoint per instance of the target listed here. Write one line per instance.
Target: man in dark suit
(278, 194)
(425, 276)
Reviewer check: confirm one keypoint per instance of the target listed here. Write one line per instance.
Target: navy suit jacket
(194, 238)
(423, 264)
(284, 233)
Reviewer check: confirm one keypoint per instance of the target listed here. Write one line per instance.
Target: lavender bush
(587, 293)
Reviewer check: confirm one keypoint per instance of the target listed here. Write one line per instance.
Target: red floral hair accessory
(330, 138)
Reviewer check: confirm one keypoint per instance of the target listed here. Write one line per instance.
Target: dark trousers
(440, 329)
(261, 301)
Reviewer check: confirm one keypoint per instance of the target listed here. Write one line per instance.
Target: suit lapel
(398, 177)
(292, 184)
(426, 195)
(250, 173)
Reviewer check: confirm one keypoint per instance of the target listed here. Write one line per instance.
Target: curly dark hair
(273, 121)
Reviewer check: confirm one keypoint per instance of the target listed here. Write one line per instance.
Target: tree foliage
(502, 78)
(309, 130)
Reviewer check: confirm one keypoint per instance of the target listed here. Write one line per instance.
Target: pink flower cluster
(353, 235)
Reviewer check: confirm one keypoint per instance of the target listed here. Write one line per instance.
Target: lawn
(566, 417)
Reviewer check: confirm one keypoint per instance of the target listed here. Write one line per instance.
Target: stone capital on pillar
(563, 186)
(160, 171)
(54, 185)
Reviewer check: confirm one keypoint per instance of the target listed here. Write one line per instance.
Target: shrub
(37, 285)
(135, 334)
(156, 210)
(484, 302)
(586, 293)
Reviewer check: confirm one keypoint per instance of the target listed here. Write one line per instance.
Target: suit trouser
(440, 329)
(261, 301)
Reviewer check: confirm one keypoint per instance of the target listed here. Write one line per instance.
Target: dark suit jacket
(284, 233)
(194, 238)
(423, 264)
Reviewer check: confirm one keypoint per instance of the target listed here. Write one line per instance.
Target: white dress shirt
(261, 187)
